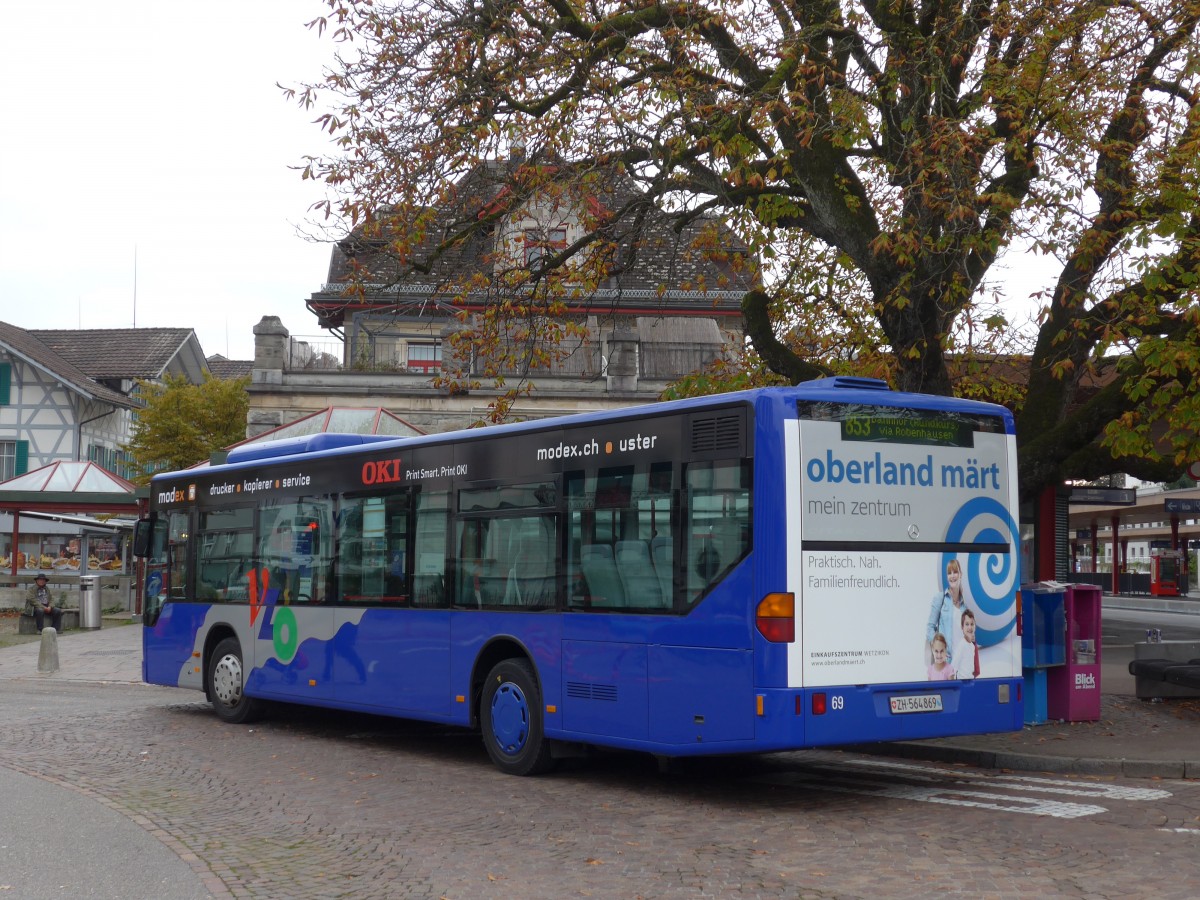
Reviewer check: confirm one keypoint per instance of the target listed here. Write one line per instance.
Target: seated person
(38, 603)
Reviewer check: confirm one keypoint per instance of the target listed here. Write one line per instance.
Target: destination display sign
(1085, 496)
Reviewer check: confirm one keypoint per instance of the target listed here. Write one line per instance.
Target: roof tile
(30, 346)
(116, 352)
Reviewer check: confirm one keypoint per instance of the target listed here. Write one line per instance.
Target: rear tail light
(775, 618)
(818, 704)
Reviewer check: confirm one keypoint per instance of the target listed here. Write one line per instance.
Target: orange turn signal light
(775, 617)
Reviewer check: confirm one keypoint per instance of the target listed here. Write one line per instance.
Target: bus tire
(510, 715)
(226, 680)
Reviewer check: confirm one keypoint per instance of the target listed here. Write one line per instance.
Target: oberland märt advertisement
(906, 560)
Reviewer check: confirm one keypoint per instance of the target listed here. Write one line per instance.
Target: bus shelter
(61, 491)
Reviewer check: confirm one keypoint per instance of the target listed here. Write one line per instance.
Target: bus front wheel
(510, 716)
(226, 679)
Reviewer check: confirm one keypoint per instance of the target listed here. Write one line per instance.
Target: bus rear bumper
(797, 719)
(853, 714)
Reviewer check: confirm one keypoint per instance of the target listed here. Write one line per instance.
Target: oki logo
(382, 472)
(1085, 681)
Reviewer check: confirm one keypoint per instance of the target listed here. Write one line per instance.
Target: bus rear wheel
(510, 715)
(226, 679)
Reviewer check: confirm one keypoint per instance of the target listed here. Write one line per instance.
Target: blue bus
(756, 571)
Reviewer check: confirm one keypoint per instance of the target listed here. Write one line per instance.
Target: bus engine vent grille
(581, 690)
(718, 434)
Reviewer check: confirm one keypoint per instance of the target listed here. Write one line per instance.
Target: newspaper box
(1043, 644)
(1073, 689)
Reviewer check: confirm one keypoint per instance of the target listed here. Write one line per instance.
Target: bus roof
(843, 389)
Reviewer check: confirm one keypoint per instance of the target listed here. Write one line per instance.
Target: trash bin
(89, 601)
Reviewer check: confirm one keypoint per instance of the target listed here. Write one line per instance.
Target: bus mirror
(141, 537)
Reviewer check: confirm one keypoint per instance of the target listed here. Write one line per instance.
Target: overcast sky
(153, 128)
(157, 127)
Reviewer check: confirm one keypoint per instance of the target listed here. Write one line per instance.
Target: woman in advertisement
(945, 613)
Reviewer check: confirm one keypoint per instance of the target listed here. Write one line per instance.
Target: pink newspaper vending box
(1073, 690)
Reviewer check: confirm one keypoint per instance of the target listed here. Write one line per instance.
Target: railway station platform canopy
(1117, 516)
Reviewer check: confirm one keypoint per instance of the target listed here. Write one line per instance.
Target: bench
(1160, 677)
(1185, 676)
(28, 624)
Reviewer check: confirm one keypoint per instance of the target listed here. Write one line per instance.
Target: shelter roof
(342, 420)
(336, 420)
(69, 487)
(82, 477)
(84, 523)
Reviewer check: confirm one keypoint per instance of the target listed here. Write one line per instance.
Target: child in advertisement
(968, 649)
(940, 669)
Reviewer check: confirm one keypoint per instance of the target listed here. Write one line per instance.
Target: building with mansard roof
(678, 289)
(661, 303)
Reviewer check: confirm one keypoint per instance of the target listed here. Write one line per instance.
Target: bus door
(173, 624)
(391, 650)
(291, 618)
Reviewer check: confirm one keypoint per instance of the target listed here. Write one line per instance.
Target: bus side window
(429, 549)
(532, 577)
(506, 544)
(622, 535)
(476, 573)
(295, 547)
(372, 549)
(719, 514)
(166, 564)
(224, 553)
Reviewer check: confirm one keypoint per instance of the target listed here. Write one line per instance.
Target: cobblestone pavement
(316, 804)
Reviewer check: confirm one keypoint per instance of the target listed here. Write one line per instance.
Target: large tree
(184, 423)
(880, 158)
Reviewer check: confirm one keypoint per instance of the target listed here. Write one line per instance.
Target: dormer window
(541, 243)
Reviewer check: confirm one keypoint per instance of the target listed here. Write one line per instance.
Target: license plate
(916, 703)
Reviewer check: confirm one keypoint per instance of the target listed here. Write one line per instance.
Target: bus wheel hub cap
(510, 718)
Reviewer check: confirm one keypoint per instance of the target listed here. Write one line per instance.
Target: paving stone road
(315, 804)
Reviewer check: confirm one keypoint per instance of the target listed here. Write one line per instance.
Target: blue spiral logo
(989, 579)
